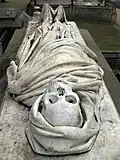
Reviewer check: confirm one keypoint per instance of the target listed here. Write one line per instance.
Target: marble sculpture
(58, 75)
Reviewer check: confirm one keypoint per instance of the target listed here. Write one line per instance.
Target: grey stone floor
(9, 55)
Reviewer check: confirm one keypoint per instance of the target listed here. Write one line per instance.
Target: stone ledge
(11, 17)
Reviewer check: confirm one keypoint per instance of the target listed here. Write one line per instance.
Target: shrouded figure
(63, 104)
(58, 75)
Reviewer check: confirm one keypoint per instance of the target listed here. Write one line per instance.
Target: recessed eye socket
(40, 107)
(53, 99)
(71, 99)
(61, 91)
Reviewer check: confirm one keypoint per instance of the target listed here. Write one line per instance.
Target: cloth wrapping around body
(56, 52)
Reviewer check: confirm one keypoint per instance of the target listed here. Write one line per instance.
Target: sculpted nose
(61, 91)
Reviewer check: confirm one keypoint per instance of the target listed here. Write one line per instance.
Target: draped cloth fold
(56, 51)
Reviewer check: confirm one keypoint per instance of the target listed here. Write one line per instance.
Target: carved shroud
(55, 51)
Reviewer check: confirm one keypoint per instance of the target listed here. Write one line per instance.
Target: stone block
(53, 2)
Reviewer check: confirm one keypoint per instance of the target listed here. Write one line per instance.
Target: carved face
(61, 106)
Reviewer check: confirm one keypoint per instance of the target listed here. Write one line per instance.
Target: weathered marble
(14, 118)
(53, 59)
(14, 145)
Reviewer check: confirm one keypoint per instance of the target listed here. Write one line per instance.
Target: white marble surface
(14, 145)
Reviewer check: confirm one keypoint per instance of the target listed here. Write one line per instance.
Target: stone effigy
(72, 110)
(58, 75)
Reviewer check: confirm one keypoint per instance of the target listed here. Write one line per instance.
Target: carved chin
(63, 115)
